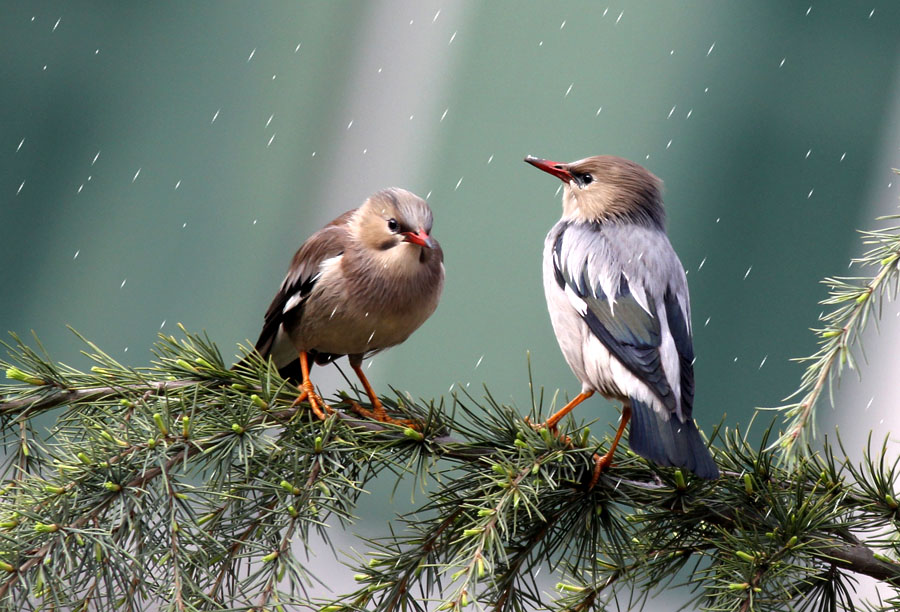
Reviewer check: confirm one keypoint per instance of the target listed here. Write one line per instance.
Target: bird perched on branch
(618, 300)
(361, 284)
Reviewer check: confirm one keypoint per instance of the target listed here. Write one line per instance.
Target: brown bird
(359, 285)
(618, 300)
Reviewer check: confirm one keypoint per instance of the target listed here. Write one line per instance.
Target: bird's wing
(678, 314)
(306, 269)
(621, 289)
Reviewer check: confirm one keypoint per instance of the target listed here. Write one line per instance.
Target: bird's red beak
(421, 238)
(557, 169)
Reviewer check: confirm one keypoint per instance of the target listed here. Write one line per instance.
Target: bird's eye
(586, 179)
(393, 225)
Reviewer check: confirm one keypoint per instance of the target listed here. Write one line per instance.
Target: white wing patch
(292, 302)
(576, 302)
(640, 295)
(324, 268)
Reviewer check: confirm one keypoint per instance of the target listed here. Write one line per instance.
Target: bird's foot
(379, 414)
(552, 429)
(600, 464)
(316, 403)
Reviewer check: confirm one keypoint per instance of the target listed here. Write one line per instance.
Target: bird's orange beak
(557, 169)
(421, 238)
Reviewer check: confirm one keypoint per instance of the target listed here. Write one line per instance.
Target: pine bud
(160, 424)
(745, 556)
(203, 362)
(14, 373)
(412, 434)
(185, 365)
(569, 588)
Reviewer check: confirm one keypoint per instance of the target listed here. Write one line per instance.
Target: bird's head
(605, 187)
(395, 220)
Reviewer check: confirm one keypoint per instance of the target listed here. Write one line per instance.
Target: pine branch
(511, 500)
(853, 300)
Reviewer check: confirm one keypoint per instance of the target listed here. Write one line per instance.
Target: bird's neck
(400, 262)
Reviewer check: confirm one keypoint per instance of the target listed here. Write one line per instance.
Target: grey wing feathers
(619, 315)
(301, 278)
(679, 326)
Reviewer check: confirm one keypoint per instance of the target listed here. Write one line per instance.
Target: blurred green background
(161, 162)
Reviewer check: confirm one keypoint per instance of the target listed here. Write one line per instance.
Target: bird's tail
(669, 442)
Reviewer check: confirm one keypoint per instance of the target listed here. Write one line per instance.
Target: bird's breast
(364, 307)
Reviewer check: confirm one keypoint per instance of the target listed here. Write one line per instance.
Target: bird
(361, 284)
(618, 301)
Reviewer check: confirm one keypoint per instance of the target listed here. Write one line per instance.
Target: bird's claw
(552, 429)
(600, 464)
(540, 426)
(316, 403)
(379, 414)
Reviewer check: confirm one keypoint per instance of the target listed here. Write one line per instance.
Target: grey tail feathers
(669, 442)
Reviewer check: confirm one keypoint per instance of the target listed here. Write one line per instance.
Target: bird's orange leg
(554, 420)
(309, 394)
(378, 412)
(601, 463)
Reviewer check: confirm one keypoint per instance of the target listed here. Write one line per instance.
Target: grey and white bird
(619, 305)
(361, 284)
